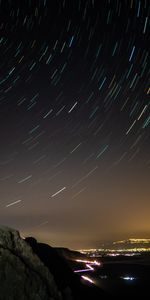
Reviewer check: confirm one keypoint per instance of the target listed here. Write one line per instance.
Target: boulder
(22, 274)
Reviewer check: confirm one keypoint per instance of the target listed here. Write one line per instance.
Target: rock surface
(22, 275)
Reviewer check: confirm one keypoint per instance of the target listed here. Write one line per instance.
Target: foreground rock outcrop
(30, 270)
(22, 274)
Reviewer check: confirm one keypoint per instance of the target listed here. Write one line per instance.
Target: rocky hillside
(22, 274)
(35, 271)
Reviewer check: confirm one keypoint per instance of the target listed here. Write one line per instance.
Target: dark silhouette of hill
(70, 254)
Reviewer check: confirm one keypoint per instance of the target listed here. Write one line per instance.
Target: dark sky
(74, 119)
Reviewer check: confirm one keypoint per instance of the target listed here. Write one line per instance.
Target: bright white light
(87, 279)
(96, 263)
(128, 278)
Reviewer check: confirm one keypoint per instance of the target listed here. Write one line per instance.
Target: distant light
(95, 262)
(128, 278)
(113, 254)
(103, 276)
(87, 279)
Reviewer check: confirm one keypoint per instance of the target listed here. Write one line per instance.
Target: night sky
(74, 119)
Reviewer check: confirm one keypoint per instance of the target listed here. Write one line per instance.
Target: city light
(128, 278)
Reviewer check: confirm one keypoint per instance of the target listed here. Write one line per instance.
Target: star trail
(74, 119)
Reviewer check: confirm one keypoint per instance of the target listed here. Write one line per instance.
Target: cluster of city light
(123, 250)
(144, 247)
(133, 241)
(125, 254)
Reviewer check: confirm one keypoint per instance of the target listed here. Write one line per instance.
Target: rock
(22, 275)
(57, 264)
